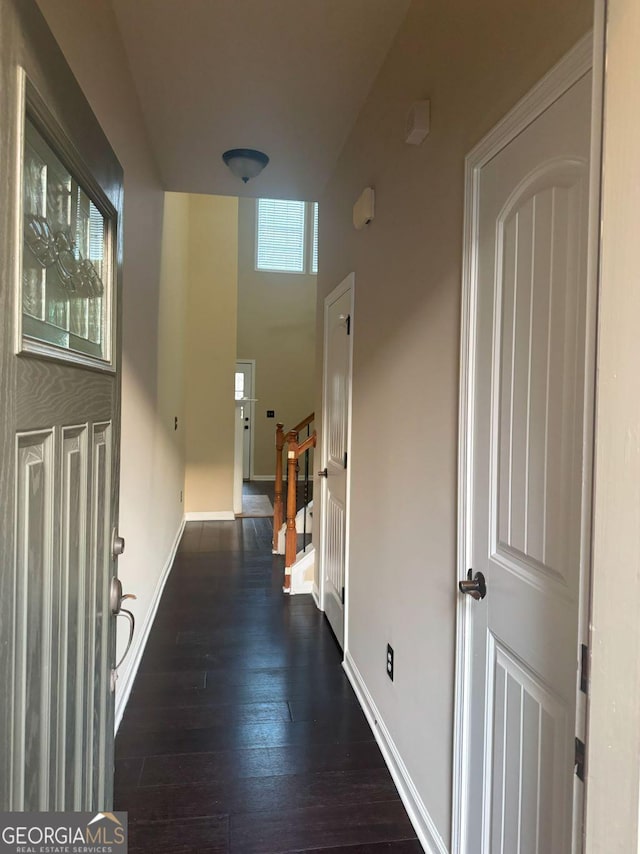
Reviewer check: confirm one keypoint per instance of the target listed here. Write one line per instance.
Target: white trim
(263, 477)
(305, 560)
(422, 822)
(348, 284)
(252, 407)
(125, 686)
(316, 595)
(210, 516)
(553, 85)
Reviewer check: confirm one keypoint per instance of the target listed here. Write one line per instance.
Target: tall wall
(210, 355)
(473, 60)
(276, 327)
(152, 467)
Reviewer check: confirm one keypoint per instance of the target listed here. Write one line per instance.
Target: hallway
(242, 733)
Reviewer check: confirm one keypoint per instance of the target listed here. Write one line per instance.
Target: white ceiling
(285, 76)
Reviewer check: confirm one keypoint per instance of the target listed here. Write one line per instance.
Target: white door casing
(246, 367)
(526, 422)
(59, 431)
(336, 445)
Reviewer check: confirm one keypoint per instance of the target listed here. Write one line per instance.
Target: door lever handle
(323, 473)
(474, 585)
(116, 598)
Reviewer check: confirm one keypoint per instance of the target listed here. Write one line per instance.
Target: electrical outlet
(390, 661)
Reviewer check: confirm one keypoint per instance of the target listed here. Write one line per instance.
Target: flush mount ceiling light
(245, 163)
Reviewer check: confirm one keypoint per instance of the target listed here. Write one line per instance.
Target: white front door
(60, 262)
(335, 442)
(245, 394)
(528, 459)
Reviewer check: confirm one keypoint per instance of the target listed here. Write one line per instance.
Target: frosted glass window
(239, 385)
(280, 235)
(65, 269)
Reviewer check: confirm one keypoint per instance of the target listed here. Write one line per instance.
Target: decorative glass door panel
(66, 259)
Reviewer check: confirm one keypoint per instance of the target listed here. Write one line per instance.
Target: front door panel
(59, 435)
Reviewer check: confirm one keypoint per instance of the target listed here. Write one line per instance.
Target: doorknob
(116, 598)
(474, 585)
(323, 473)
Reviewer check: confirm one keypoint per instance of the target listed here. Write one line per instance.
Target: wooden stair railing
(294, 452)
(283, 438)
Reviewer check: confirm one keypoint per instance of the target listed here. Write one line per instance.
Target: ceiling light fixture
(245, 163)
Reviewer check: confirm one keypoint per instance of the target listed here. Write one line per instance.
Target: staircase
(287, 526)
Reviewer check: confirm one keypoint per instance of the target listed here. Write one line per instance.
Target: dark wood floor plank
(240, 735)
(406, 846)
(242, 732)
(288, 830)
(251, 794)
(208, 835)
(259, 762)
(157, 719)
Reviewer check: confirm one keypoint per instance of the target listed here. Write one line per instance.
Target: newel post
(277, 497)
(291, 539)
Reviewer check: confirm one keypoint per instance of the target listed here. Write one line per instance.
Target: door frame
(586, 55)
(348, 284)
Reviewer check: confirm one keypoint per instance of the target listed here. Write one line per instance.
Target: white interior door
(60, 261)
(336, 434)
(528, 457)
(245, 394)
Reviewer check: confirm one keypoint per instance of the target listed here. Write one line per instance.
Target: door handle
(474, 585)
(116, 598)
(323, 473)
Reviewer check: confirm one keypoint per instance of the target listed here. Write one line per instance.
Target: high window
(287, 236)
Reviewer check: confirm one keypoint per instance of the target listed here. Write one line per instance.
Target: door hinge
(584, 668)
(348, 324)
(345, 460)
(342, 596)
(580, 759)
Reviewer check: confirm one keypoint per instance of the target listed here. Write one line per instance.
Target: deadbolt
(474, 585)
(117, 544)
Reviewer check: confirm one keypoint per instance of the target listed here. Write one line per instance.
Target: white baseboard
(264, 477)
(125, 685)
(210, 516)
(422, 822)
(316, 595)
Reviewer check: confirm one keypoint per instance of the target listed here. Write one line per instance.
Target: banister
(282, 438)
(304, 423)
(294, 451)
(309, 442)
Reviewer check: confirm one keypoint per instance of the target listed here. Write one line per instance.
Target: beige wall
(276, 327)
(210, 354)
(473, 60)
(174, 271)
(151, 464)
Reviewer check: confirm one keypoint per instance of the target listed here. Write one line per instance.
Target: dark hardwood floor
(242, 733)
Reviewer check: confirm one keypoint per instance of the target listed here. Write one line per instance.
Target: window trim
(307, 249)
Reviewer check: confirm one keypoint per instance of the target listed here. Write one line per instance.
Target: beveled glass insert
(65, 254)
